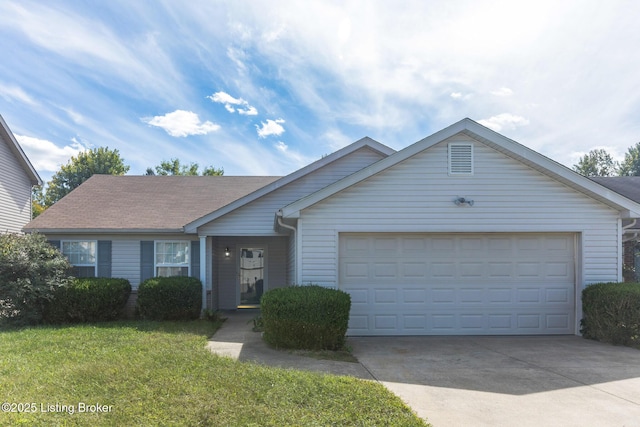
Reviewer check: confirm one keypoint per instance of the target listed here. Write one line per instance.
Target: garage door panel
(421, 284)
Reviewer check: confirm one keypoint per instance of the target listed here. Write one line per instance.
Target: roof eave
(105, 230)
(19, 153)
(192, 227)
(625, 206)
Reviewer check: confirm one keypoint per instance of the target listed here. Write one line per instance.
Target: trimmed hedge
(305, 317)
(170, 298)
(612, 313)
(90, 299)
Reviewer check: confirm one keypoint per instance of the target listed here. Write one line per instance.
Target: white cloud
(281, 146)
(182, 123)
(503, 91)
(229, 103)
(456, 95)
(271, 127)
(13, 92)
(47, 156)
(504, 121)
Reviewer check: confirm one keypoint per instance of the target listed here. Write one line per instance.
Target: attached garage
(459, 284)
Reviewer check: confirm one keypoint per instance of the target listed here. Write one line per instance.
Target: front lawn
(159, 373)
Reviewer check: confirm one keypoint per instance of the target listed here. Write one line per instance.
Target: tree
(597, 163)
(175, 167)
(80, 168)
(630, 166)
(37, 201)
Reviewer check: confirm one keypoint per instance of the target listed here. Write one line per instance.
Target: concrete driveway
(508, 381)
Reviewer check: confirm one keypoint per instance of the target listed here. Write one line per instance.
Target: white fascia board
(192, 227)
(293, 210)
(627, 207)
(19, 153)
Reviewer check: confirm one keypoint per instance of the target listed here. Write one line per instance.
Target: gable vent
(460, 159)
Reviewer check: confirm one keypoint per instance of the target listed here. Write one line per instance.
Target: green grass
(159, 373)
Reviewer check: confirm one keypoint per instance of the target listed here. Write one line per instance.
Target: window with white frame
(82, 255)
(172, 258)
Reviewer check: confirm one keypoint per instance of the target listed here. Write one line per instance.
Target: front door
(251, 276)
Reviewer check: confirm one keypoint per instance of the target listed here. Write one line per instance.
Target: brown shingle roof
(144, 203)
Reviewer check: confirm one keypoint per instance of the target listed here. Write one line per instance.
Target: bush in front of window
(30, 272)
(170, 298)
(305, 317)
(611, 313)
(90, 299)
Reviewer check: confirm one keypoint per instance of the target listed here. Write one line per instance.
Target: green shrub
(305, 317)
(170, 298)
(612, 313)
(30, 272)
(91, 299)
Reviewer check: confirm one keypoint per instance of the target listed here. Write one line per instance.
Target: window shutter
(195, 259)
(461, 159)
(147, 265)
(104, 258)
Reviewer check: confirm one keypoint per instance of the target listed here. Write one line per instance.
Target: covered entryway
(459, 284)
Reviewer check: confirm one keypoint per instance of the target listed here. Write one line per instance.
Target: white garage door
(458, 284)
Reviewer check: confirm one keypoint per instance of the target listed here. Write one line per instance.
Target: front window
(172, 258)
(82, 255)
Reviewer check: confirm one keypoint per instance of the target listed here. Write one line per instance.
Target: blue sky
(263, 88)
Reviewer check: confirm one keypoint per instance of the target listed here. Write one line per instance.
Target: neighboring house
(628, 186)
(17, 177)
(464, 232)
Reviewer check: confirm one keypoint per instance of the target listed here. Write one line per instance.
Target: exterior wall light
(227, 252)
(461, 201)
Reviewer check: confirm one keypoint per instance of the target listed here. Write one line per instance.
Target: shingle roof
(143, 203)
(628, 186)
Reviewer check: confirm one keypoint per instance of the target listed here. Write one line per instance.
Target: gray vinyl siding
(15, 192)
(225, 270)
(126, 261)
(417, 196)
(256, 218)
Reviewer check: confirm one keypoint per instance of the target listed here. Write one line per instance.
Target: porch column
(203, 270)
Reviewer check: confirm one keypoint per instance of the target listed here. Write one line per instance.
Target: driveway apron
(508, 381)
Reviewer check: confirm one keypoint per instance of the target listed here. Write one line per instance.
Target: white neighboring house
(17, 178)
(465, 232)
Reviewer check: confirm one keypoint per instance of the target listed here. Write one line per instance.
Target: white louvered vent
(460, 159)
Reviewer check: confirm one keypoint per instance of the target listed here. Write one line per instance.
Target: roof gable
(365, 142)
(7, 136)
(492, 139)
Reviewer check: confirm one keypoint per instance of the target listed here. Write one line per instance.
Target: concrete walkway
(476, 381)
(236, 339)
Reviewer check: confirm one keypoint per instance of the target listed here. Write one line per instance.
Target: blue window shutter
(195, 259)
(104, 258)
(55, 243)
(147, 266)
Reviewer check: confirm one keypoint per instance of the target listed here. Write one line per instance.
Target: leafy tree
(630, 166)
(597, 163)
(37, 201)
(31, 270)
(80, 168)
(175, 167)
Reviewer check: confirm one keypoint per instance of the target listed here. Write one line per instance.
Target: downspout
(634, 236)
(294, 230)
